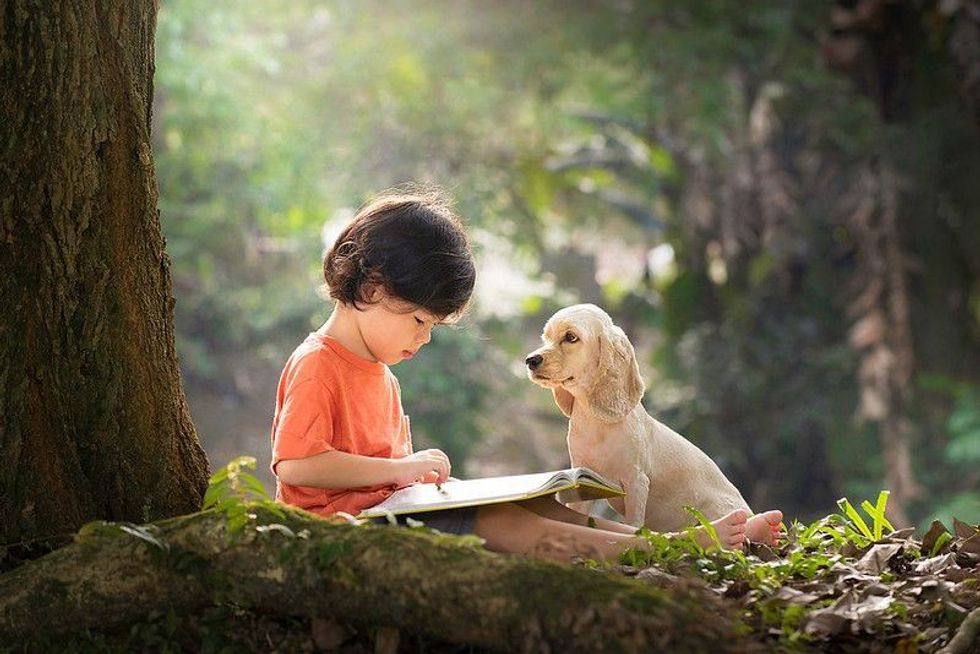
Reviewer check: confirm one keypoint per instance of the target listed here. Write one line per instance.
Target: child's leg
(761, 528)
(514, 529)
(549, 507)
(518, 530)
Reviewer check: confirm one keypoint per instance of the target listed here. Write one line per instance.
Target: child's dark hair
(413, 245)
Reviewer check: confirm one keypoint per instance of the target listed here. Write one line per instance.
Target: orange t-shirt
(331, 399)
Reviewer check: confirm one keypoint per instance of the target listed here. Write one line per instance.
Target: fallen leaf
(876, 589)
(874, 604)
(853, 578)
(933, 589)
(971, 545)
(936, 529)
(657, 577)
(737, 588)
(792, 596)
(935, 565)
(851, 550)
(963, 530)
(967, 559)
(877, 558)
(825, 622)
(901, 534)
(956, 574)
(763, 551)
(844, 602)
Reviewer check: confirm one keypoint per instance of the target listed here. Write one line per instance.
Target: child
(340, 439)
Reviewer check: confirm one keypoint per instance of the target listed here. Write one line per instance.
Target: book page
(591, 477)
(491, 490)
(457, 493)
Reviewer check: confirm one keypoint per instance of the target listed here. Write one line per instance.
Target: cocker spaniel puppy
(590, 366)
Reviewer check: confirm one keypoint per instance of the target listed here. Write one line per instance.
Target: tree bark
(882, 335)
(93, 420)
(411, 580)
(963, 45)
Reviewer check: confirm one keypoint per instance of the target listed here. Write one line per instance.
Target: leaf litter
(833, 584)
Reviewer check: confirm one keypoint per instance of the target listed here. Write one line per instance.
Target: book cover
(572, 485)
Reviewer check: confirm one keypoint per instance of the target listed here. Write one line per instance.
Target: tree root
(408, 579)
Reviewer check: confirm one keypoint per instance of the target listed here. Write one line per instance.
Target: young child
(340, 439)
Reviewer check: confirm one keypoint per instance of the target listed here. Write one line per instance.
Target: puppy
(590, 366)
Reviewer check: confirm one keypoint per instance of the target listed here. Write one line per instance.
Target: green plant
(704, 524)
(232, 490)
(941, 541)
(855, 526)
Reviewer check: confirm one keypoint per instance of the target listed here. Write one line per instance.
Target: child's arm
(336, 469)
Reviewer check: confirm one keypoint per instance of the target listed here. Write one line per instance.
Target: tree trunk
(881, 334)
(305, 566)
(94, 421)
(964, 49)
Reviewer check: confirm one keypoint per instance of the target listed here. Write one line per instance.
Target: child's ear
(373, 291)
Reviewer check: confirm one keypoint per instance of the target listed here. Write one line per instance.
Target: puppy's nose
(534, 361)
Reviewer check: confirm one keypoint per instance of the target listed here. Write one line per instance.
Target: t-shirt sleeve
(305, 425)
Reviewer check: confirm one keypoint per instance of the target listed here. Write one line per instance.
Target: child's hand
(427, 465)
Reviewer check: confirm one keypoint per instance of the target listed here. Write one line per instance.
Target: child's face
(394, 330)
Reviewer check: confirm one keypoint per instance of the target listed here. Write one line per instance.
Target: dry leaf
(963, 530)
(933, 589)
(871, 609)
(792, 596)
(657, 577)
(936, 529)
(934, 565)
(877, 558)
(971, 545)
(901, 534)
(825, 622)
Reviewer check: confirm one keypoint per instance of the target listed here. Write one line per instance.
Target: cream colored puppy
(590, 366)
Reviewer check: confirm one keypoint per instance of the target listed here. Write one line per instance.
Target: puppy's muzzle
(534, 361)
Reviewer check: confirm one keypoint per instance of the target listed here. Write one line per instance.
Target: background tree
(706, 172)
(94, 421)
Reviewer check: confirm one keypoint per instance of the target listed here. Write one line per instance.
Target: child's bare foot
(730, 529)
(764, 527)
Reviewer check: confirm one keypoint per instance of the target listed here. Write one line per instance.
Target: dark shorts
(449, 521)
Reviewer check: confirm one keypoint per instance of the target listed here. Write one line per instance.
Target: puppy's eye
(419, 321)
(570, 338)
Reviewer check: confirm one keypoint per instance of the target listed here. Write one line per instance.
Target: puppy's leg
(618, 505)
(584, 507)
(637, 493)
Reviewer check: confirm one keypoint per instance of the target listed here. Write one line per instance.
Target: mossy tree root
(300, 565)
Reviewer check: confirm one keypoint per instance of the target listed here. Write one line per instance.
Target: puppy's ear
(617, 386)
(564, 400)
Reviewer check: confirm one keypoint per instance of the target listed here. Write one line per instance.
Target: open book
(572, 485)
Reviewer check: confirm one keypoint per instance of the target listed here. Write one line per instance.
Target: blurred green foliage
(578, 140)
